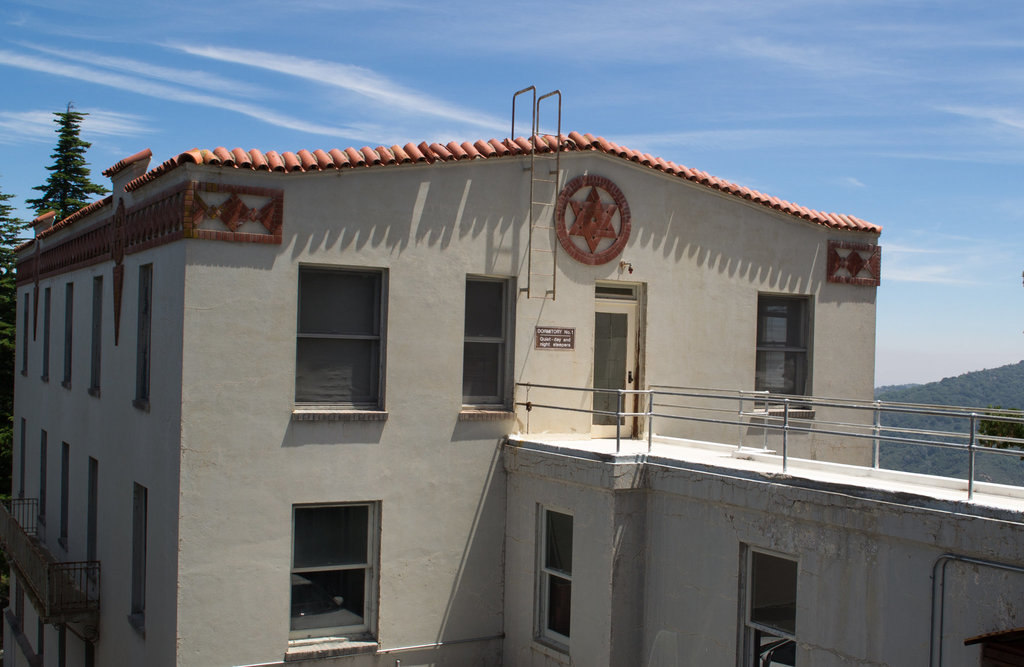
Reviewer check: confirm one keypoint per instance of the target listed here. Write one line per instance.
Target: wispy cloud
(1002, 116)
(179, 95)
(744, 139)
(853, 182)
(21, 125)
(18, 126)
(192, 78)
(352, 78)
(814, 59)
(933, 273)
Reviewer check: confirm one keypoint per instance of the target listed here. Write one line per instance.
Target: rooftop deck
(751, 434)
(748, 461)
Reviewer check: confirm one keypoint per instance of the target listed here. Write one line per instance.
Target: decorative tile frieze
(168, 216)
(854, 263)
(232, 206)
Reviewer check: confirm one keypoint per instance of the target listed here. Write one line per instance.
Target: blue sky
(906, 114)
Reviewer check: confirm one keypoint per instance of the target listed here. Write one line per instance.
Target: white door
(615, 364)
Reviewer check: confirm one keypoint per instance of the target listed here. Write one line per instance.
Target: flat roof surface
(696, 454)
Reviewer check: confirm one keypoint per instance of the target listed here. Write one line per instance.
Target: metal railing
(64, 590)
(787, 416)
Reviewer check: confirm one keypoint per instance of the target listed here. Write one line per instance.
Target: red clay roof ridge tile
(303, 161)
(123, 164)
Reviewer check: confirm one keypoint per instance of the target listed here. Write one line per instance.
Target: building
(325, 405)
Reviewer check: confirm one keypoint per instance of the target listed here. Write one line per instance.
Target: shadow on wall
(385, 209)
(475, 604)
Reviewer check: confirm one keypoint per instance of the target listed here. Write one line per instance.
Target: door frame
(626, 298)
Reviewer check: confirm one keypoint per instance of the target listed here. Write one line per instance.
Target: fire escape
(64, 593)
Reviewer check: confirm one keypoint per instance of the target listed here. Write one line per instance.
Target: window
(69, 307)
(770, 610)
(24, 336)
(339, 357)
(140, 506)
(332, 575)
(782, 335)
(555, 584)
(62, 646)
(97, 335)
(143, 340)
(42, 478)
(485, 352)
(19, 603)
(65, 465)
(21, 459)
(92, 507)
(46, 335)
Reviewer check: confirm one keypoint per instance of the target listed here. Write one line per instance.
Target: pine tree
(66, 189)
(10, 237)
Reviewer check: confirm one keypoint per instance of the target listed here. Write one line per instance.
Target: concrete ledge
(338, 415)
(475, 415)
(327, 647)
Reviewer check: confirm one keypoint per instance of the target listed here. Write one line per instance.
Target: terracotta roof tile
(131, 159)
(415, 153)
(490, 148)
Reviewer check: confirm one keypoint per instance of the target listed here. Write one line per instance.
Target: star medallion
(593, 219)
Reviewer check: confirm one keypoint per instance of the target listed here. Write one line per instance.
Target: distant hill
(995, 386)
(1003, 386)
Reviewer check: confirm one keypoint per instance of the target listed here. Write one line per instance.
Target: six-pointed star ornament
(594, 220)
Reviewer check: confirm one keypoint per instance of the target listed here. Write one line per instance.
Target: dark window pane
(481, 369)
(339, 302)
(559, 604)
(610, 353)
(559, 542)
(773, 592)
(336, 370)
(485, 306)
(328, 599)
(781, 372)
(326, 536)
(781, 322)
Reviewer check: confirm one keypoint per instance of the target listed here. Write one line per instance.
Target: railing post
(739, 424)
(650, 419)
(785, 435)
(970, 454)
(618, 421)
(878, 424)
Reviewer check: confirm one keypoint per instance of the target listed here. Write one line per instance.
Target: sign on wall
(592, 220)
(555, 338)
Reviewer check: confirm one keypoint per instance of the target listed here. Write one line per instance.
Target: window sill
(551, 648)
(338, 415)
(779, 413)
(94, 391)
(138, 623)
(66, 384)
(44, 378)
(327, 647)
(485, 414)
(24, 372)
(141, 404)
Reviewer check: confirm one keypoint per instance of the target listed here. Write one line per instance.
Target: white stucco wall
(130, 445)
(864, 587)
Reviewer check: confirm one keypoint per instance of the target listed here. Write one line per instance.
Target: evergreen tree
(10, 237)
(66, 190)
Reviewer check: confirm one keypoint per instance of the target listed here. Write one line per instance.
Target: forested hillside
(1003, 386)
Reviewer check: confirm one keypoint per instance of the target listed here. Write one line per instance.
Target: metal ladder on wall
(545, 170)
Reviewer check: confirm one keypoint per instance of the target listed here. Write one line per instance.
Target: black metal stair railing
(65, 591)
